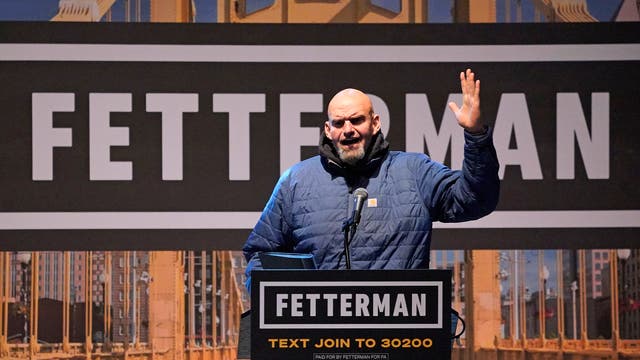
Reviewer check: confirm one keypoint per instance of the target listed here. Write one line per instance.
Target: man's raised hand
(468, 115)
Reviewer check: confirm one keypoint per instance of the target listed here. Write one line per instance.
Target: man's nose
(348, 127)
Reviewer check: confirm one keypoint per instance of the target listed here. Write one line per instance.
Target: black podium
(351, 314)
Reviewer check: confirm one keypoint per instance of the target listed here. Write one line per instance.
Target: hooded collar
(376, 151)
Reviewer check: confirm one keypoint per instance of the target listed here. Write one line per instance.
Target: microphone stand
(349, 227)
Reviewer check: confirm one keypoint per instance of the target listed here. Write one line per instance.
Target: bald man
(407, 192)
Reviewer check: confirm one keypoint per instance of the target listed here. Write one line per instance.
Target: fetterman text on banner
(164, 136)
(351, 314)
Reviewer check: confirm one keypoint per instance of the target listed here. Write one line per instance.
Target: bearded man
(407, 192)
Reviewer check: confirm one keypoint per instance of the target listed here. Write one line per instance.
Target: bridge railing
(96, 304)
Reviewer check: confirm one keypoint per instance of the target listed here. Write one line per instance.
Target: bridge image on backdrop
(104, 305)
(162, 304)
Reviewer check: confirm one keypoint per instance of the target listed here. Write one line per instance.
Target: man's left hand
(468, 115)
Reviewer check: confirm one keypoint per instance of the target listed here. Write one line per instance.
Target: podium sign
(351, 314)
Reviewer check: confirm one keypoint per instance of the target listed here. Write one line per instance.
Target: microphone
(349, 226)
(359, 196)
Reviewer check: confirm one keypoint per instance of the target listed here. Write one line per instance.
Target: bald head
(349, 98)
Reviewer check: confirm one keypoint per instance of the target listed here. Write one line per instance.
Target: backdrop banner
(172, 136)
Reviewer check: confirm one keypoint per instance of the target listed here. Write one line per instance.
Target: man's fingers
(470, 90)
(470, 82)
(454, 107)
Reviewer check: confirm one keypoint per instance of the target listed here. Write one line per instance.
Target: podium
(350, 314)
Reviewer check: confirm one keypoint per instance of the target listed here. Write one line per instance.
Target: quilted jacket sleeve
(467, 194)
(271, 233)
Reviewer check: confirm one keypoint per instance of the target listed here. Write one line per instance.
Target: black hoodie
(358, 174)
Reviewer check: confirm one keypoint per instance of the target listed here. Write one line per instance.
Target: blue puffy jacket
(407, 192)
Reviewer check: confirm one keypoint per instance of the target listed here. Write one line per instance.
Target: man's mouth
(351, 141)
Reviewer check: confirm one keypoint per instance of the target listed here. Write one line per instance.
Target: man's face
(351, 124)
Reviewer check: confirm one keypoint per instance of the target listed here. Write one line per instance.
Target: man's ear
(327, 129)
(375, 121)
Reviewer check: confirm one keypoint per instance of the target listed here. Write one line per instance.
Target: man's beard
(351, 157)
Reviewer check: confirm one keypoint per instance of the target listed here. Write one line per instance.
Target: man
(406, 191)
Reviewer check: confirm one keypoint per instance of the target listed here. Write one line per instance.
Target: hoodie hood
(376, 151)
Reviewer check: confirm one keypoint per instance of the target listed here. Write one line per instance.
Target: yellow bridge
(103, 305)
(187, 304)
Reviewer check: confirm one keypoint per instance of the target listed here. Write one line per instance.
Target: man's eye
(358, 120)
(338, 123)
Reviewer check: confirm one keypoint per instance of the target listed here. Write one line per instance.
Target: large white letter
(362, 305)
(330, 299)
(292, 135)
(418, 304)
(513, 116)
(296, 304)
(380, 304)
(44, 136)
(420, 130)
(239, 107)
(400, 308)
(595, 149)
(281, 303)
(102, 137)
(345, 304)
(172, 106)
(313, 298)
